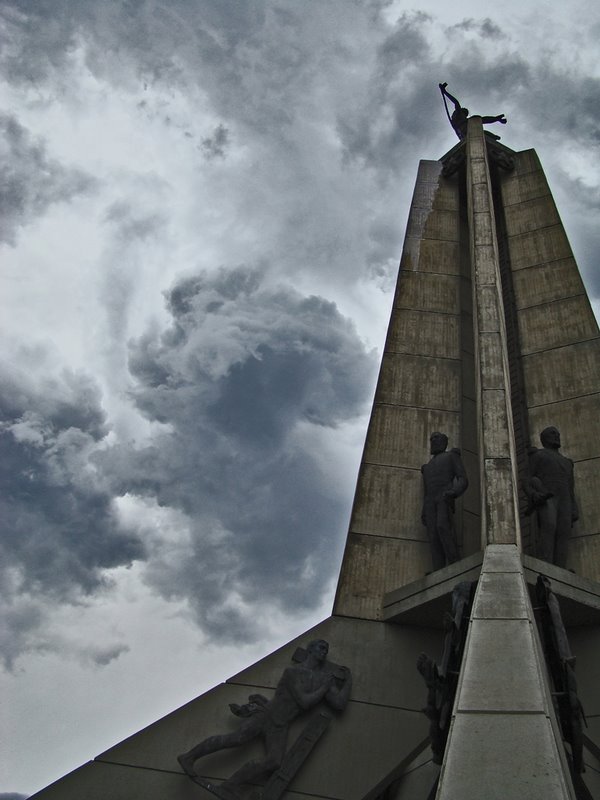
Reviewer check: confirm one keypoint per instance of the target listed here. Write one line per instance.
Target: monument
(491, 340)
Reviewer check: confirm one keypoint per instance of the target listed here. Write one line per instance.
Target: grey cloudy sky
(201, 216)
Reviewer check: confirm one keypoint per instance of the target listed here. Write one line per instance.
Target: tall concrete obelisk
(491, 339)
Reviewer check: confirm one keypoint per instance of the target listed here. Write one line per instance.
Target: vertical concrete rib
(497, 457)
(504, 738)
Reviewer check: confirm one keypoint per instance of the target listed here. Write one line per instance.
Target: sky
(202, 209)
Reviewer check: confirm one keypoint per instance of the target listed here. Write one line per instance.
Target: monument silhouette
(491, 341)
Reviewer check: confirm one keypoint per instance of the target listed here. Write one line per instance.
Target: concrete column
(504, 740)
(497, 457)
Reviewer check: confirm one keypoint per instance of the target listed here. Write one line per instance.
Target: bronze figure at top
(460, 115)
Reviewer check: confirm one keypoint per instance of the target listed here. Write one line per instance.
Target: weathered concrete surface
(382, 725)
(559, 342)
(503, 740)
(426, 379)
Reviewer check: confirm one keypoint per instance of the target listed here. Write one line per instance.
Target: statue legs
(275, 746)
(440, 530)
(247, 731)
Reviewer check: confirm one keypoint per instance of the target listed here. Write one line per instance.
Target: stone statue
(561, 664)
(460, 115)
(300, 688)
(551, 493)
(444, 479)
(441, 680)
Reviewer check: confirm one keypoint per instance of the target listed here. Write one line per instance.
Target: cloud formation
(31, 179)
(243, 367)
(60, 529)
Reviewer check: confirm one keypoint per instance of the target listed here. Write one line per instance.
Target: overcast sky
(202, 208)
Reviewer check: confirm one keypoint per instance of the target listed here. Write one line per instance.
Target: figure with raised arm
(460, 115)
(300, 688)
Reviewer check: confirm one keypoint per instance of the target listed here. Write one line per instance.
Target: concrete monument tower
(466, 539)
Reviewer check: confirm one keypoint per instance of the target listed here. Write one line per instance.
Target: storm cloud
(244, 367)
(60, 530)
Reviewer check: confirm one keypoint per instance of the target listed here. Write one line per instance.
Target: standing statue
(300, 688)
(551, 493)
(444, 480)
(460, 115)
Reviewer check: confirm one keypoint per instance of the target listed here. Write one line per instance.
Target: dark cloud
(31, 179)
(60, 530)
(486, 28)
(244, 369)
(12, 796)
(215, 146)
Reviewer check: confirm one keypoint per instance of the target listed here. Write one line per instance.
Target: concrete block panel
(471, 533)
(487, 309)
(430, 255)
(531, 215)
(574, 419)
(478, 171)
(388, 503)
(556, 324)
(538, 247)
(439, 195)
(524, 187)
(417, 381)
(424, 291)
(562, 373)
(429, 170)
(502, 596)
(424, 333)
(487, 684)
(430, 223)
(470, 501)
(416, 782)
(585, 646)
(492, 742)
(466, 330)
(373, 566)
(584, 556)
(525, 162)
(100, 781)
(469, 424)
(500, 516)
(399, 436)
(495, 423)
(492, 365)
(482, 227)
(587, 494)
(546, 282)
(486, 264)
(481, 197)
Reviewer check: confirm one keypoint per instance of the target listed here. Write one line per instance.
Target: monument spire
(491, 341)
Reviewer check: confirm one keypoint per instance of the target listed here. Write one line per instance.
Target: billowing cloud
(31, 179)
(60, 529)
(243, 368)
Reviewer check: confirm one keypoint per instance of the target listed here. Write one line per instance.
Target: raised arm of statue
(443, 90)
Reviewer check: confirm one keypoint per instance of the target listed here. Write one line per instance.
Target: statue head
(318, 649)
(550, 437)
(465, 111)
(438, 442)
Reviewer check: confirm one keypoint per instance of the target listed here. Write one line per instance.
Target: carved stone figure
(551, 493)
(460, 115)
(300, 688)
(444, 480)
(561, 664)
(441, 680)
